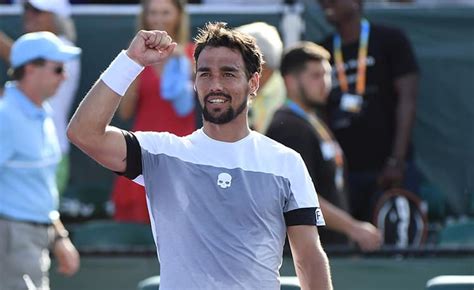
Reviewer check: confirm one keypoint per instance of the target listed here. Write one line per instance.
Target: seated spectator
(299, 125)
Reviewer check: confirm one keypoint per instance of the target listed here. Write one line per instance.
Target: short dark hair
(217, 34)
(295, 57)
(18, 73)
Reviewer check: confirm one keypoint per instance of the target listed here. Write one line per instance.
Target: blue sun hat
(43, 45)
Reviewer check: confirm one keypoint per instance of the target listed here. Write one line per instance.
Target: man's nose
(216, 84)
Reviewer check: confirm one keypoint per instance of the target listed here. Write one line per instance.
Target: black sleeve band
(301, 216)
(134, 156)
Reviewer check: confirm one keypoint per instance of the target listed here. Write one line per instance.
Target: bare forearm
(313, 273)
(405, 120)
(5, 47)
(129, 102)
(366, 235)
(407, 88)
(336, 219)
(94, 113)
(90, 131)
(311, 262)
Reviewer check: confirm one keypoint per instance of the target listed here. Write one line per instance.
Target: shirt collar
(31, 109)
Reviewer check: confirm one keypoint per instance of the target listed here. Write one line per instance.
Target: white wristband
(121, 73)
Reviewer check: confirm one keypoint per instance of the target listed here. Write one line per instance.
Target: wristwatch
(59, 229)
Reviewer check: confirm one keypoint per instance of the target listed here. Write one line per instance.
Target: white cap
(268, 40)
(58, 7)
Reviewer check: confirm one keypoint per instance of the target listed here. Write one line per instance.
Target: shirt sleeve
(401, 54)
(134, 156)
(303, 205)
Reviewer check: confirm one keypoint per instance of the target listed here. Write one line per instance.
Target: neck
(31, 93)
(349, 30)
(230, 132)
(307, 109)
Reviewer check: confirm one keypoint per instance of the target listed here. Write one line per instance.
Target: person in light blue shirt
(29, 155)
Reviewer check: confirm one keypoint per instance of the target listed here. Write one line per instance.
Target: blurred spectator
(54, 16)
(271, 93)
(29, 155)
(372, 103)
(298, 124)
(161, 99)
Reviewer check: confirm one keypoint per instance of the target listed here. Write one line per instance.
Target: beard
(222, 117)
(306, 99)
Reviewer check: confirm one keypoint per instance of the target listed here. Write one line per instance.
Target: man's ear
(254, 83)
(291, 83)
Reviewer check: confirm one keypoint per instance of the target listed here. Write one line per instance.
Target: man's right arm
(89, 127)
(309, 258)
(5, 47)
(90, 131)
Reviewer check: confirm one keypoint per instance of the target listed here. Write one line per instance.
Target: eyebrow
(223, 68)
(229, 68)
(203, 69)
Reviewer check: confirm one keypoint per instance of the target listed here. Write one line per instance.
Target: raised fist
(151, 47)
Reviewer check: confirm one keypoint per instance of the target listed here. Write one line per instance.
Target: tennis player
(222, 199)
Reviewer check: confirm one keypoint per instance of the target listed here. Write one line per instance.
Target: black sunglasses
(58, 70)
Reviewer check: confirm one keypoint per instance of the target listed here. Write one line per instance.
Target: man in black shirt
(307, 75)
(371, 107)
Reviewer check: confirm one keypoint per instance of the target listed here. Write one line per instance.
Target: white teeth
(214, 101)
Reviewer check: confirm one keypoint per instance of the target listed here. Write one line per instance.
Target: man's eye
(228, 75)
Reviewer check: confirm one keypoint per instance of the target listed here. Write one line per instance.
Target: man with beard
(222, 199)
(298, 124)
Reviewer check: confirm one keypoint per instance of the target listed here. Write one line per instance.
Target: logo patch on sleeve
(319, 217)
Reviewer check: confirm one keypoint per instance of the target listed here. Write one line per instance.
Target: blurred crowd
(347, 105)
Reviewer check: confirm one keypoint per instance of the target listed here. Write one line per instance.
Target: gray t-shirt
(218, 209)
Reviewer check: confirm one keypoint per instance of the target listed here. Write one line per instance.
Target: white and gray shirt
(219, 210)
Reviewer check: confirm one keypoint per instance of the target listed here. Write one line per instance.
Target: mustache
(227, 96)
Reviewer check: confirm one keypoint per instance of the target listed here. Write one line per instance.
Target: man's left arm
(5, 47)
(407, 88)
(405, 70)
(310, 260)
(66, 254)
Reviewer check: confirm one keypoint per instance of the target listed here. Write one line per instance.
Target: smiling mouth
(217, 101)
